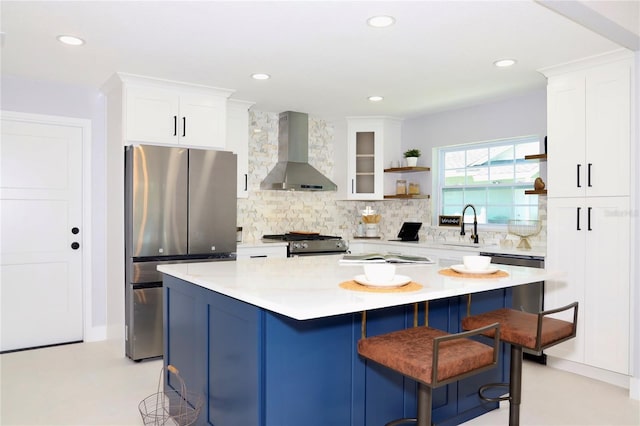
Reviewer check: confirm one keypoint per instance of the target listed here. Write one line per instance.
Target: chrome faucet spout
(475, 223)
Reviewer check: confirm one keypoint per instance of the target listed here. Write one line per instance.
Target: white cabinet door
(589, 131)
(365, 153)
(203, 121)
(261, 251)
(152, 115)
(371, 142)
(566, 253)
(607, 297)
(238, 140)
(588, 239)
(566, 135)
(608, 114)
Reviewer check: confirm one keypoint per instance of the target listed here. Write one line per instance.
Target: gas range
(309, 244)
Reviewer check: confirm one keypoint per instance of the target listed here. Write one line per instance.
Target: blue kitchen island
(272, 342)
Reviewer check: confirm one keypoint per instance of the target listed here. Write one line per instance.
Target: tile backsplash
(275, 212)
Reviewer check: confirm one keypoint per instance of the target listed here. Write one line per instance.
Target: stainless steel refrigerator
(180, 206)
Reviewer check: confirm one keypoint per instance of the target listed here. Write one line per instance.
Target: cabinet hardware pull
(246, 182)
(175, 125)
(578, 219)
(352, 188)
(578, 175)
(589, 219)
(589, 174)
(184, 126)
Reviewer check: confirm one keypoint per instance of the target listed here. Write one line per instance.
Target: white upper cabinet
(238, 140)
(171, 113)
(152, 115)
(371, 143)
(589, 131)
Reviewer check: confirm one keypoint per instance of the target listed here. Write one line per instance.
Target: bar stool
(431, 357)
(522, 330)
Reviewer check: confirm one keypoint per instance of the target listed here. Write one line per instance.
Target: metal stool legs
(523, 330)
(515, 387)
(424, 409)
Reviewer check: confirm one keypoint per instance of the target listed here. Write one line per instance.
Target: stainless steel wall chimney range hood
(293, 171)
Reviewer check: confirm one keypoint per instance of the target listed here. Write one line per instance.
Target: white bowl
(379, 272)
(476, 263)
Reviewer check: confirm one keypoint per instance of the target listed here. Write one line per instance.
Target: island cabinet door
(381, 395)
(184, 343)
(307, 371)
(215, 341)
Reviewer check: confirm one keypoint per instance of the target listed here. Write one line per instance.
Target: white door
(41, 212)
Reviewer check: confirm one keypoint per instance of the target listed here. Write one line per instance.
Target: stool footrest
(401, 421)
(489, 386)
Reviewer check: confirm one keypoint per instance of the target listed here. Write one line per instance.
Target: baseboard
(95, 334)
(616, 379)
(634, 388)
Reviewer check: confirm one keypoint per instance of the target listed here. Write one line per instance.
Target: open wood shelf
(407, 169)
(408, 196)
(536, 192)
(536, 157)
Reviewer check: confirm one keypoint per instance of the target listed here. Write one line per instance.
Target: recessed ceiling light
(381, 21)
(504, 63)
(70, 40)
(260, 76)
(375, 98)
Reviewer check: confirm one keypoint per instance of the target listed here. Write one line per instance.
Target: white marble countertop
(308, 287)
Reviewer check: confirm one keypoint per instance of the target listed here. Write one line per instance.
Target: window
(492, 176)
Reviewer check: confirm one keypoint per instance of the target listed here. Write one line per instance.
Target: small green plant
(412, 153)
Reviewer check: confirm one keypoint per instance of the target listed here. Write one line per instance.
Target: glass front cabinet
(373, 143)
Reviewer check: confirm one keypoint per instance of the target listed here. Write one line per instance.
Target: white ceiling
(323, 58)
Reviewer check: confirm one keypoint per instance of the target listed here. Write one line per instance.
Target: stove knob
(296, 245)
(304, 245)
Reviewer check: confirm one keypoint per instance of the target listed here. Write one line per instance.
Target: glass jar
(401, 187)
(414, 188)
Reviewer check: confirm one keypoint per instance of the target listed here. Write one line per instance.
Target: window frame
(528, 210)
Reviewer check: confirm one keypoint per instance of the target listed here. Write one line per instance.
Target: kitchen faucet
(475, 223)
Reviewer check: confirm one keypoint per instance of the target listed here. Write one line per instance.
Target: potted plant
(411, 156)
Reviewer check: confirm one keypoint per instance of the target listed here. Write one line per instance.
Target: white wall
(52, 98)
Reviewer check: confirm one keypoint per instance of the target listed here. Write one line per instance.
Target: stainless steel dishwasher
(528, 297)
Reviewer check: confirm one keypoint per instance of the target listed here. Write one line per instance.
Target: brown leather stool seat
(431, 357)
(522, 330)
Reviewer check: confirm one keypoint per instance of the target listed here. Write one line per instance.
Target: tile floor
(92, 384)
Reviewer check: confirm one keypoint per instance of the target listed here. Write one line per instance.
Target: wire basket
(171, 406)
(524, 229)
